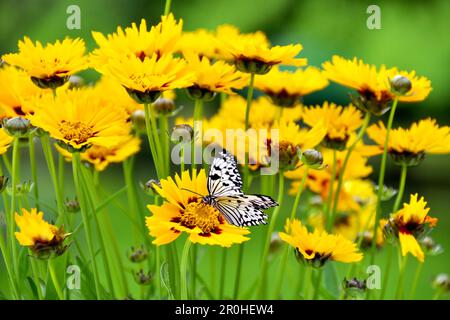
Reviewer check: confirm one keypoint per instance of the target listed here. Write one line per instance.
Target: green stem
(55, 281)
(359, 136)
(61, 172)
(237, 281)
(247, 125)
(387, 272)
(416, 280)
(401, 188)
(224, 272)
(307, 280)
(35, 270)
(167, 7)
(381, 179)
(12, 209)
(281, 272)
(34, 170)
(198, 114)
(164, 125)
(7, 163)
(151, 142)
(273, 219)
(194, 272)
(330, 194)
(183, 269)
(9, 267)
(317, 286)
(76, 166)
(401, 278)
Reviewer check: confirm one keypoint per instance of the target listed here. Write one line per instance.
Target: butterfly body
(225, 194)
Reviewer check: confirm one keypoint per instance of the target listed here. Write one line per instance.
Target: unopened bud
(164, 106)
(17, 126)
(72, 206)
(400, 85)
(142, 278)
(312, 158)
(137, 255)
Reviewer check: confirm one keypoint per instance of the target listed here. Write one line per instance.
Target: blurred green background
(414, 35)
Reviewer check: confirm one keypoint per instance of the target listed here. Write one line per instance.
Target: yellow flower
(146, 79)
(17, 88)
(286, 87)
(372, 84)
(408, 225)
(50, 65)
(340, 122)
(213, 77)
(79, 119)
(5, 141)
(138, 41)
(200, 42)
(253, 53)
(318, 247)
(101, 156)
(184, 211)
(40, 236)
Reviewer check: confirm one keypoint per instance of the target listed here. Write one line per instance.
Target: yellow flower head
(318, 247)
(101, 156)
(213, 77)
(340, 122)
(184, 211)
(53, 62)
(286, 87)
(373, 84)
(200, 42)
(40, 236)
(409, 146)
(253, 53)
(149, 77)
(79, 119)
(408, 225)
(5, 141)
(138, 41)
(17, 88)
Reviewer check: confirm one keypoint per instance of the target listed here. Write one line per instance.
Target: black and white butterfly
(225, 194)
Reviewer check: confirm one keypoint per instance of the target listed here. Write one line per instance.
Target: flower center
(75, 131)
(202, 215)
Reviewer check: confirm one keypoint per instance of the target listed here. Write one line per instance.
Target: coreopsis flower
(146, 79)
(408, 225)
(79, 119)
(17, 88)
(341, 122)
(211, 78)
(319, 181)
(43, 238)
(138, 41)
(374, 84)
(318, 247)
(286, 88)
(409, 146)
(252, 52)
(51, 65)
(200, 42)
(184, 211)
(5, 141)
(101, 156)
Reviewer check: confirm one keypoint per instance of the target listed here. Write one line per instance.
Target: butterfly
(225, 194)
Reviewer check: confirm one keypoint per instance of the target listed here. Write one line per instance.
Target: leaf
(331, 281)
(32, 287)
(165, 279)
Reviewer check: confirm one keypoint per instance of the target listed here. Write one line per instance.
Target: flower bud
(52, 82)
(198, 93)
(164, 106)
(17, 126)
(430, 246)
(137, 255)
(182, 133)
(400, 85)
(387, 193)
(143, 97)
(149, 187)
(354, 288)
(142, 278)
(312, 158)
(72, 206)
(275, 243)
(75, 82)
(367, 101)
(407, 158)
(138, 120)
(442, 282)
(288, 155)
(3, 183)
(21, 189)
(252, 66)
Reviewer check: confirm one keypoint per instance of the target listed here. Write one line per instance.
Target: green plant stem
(237, 280)
(151, 141)
(307, 280)
(132, 200)
(350, 149)
(416, 280)
(164, 125)
(35, 270)
(381, 179)
(247, 125)
(32, 150)
(401, 188)
(76, 166)
(167, 7)
(401, 277)
(61, 172)
(386, 272)
(224, 272)
(9, 267)
(194, 271)
(318, 282)
(198, 114)
(183, 269)
(51, 269)
(281, 272)
(7, 163)
(273, 220)
(329, 205)
(12, 209)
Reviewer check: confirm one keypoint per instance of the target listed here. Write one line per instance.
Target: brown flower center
(75, 131)
(199, 214)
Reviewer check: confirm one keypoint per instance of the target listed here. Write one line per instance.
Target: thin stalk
(307, 281)
(401, 278)
(157, 140)
(167, 7)
(237, 280)
(32, 150)
(247, 125)
(273, 219)
(317, 286)
(194, 271)
(381, 179)
(183, 269)
(151, 142)
(61, 171)
(223, 271)
(386, 272)
(35, 270)
(164, 125)
(401, 188)
(350, 149)
(9, 267)
(419, 268)
(198, 114)
(280, 273)
(51, 269)
(330, 193)
(7, 163)
(12, 224)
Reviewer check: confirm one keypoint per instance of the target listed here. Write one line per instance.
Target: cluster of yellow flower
(320, 148)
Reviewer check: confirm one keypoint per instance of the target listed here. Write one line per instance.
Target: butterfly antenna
(192, 192)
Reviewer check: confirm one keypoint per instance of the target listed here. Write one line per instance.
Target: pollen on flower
(75, 131)
(201, 215)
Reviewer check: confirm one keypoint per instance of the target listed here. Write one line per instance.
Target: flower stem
(51, 269)
(167, 7)
(280, 277)
(273, 219)
(415, 281)
(34, 170)
(247, 125)
(151, 141)
(164, 125)
(330, 193)
(359, 136)
(12, 225)
(386, 273)
(76, 166)
(381, 179)
(35, 271)
(401, 188)
(183, 269)
(237, 280)
(198, 114)
(317, 286)
(402, 269)
(307, 280)
(224, 272)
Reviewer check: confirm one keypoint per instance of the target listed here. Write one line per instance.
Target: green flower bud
(252, 66)
(275, 243)
(400, 85)
(137, 255)
(354, 288)
(164, 106)
(387, 193)
(52, 82)
(430, 246)
(312, 158)
(142, 278)
(21, 189)
(72, 206)
(143, 97)
(149, 187)
(17, 127)
(75, 82)
(198, 93)
(138, 120)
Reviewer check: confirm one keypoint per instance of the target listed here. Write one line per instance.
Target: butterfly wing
(244, 210)
(224, 178)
